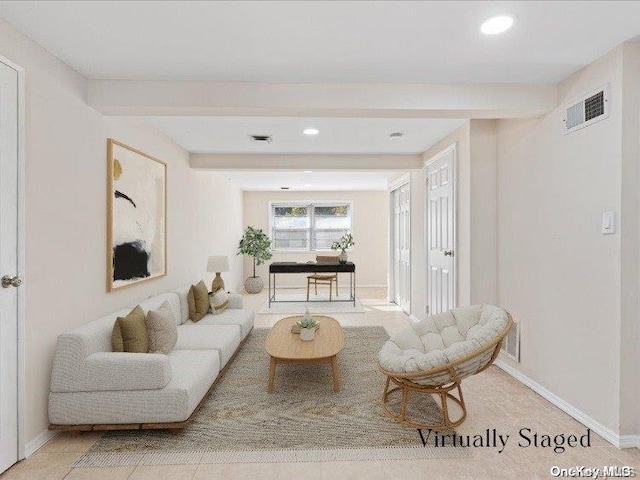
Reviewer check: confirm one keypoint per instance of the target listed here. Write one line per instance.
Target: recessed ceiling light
(497, 24)
(395, 135)
(284, 188)
(308, 171)
(311, 131)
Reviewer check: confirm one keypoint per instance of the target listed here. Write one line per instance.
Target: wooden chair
(324, 278)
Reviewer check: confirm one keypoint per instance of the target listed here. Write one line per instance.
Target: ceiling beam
(292, 162)
(196, 98)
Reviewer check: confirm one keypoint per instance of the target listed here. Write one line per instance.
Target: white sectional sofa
(94, 388)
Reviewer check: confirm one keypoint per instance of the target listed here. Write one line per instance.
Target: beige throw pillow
(198, 300)
(130, 333)
(162, 329)
(219, 301)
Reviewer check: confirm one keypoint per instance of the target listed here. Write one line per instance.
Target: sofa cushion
(130, 333)
(183, 294)
(198, 301)
(231, 316)
(109, 371)
(162, 329)
(223, 338)
(236, 300)
(172, 298)
(193, 374)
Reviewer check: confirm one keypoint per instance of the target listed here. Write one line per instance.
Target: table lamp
(217, 264)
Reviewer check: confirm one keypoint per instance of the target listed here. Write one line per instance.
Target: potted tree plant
(256, 244)
(345, 242)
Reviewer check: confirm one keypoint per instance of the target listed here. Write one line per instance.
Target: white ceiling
(310, 182)
(337, 135)
(346, 41)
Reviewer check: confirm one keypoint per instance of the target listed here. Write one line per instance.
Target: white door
(405, 247)
(395, 237)
(8, 266)
(440, 174)
(401, 202)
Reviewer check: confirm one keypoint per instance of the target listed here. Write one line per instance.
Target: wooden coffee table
(286, 347)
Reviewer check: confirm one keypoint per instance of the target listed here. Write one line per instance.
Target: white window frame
(306, 203)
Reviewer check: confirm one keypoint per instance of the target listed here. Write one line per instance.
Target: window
(308, 226)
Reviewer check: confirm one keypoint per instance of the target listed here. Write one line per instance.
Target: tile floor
(494, 400)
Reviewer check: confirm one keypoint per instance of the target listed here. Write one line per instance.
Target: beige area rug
(303, 420)
(295, 303)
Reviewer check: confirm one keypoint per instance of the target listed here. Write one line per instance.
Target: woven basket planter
(253, 285)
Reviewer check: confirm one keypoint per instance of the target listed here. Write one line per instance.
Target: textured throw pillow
(162, 329)
(219, 301)
(116, 338)
(198, 300)
(130, 333)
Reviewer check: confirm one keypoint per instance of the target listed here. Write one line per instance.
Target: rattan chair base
(443, 392)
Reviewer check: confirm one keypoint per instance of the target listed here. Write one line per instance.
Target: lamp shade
(218, 263)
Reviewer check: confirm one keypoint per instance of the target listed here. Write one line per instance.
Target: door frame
(404, 179)
(451, 148)
(20, 256)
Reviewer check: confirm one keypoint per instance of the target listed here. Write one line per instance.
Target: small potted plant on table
(308, 326)
(345, 242)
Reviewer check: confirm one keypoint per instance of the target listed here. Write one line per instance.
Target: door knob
(8, 281)
(448, 253)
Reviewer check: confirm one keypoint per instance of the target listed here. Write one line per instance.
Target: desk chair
(324, 278)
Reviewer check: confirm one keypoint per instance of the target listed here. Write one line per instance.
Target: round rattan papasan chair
(436, 354)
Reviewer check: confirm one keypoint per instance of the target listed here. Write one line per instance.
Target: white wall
(557, 274)
(66, 211)
(483, 209)
(370, 220)
(630, 242)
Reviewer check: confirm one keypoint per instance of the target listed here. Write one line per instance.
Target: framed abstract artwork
(136, 216)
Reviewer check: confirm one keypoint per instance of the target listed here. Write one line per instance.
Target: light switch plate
(608, 223)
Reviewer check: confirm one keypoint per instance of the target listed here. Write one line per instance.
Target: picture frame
(136, 216)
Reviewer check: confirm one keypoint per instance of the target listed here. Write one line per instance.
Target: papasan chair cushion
(445, 338)
(434, 355)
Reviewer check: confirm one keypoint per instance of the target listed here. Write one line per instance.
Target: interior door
(395, 235)
(405, 246)
(8, 266)
(401, 235)
(441, 232)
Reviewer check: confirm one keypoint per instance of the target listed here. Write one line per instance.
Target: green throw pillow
(130, 333)
(198, 300)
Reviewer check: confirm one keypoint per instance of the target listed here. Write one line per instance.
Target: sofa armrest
(235, 300)
(105, 371)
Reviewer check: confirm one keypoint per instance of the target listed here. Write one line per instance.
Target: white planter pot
(307, 334)
(253, 285)
(342, 258)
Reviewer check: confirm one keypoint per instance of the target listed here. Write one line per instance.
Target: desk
(312, 267)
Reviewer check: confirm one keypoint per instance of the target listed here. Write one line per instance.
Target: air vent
(511, 343)
(261, 138)
(590, 109)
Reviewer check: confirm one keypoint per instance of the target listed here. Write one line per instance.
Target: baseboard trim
(38, 442)
(609, 435)
(629, 441)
